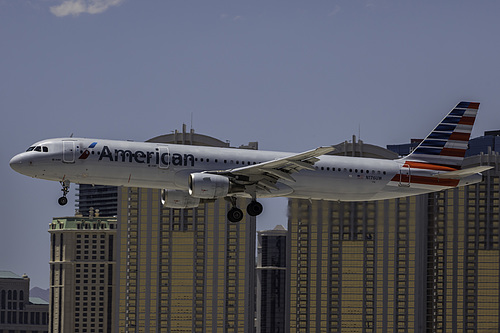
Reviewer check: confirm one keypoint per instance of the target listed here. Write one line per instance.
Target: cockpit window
(45, 149)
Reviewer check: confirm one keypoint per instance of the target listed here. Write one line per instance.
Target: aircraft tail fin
(447, 143)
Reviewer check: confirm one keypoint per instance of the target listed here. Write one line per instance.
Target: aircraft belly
(126, 175)
(350, 188)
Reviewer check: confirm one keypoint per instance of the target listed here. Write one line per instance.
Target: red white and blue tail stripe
(447, 143)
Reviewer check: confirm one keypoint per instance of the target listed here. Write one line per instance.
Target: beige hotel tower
(427, 263)
(183, 270)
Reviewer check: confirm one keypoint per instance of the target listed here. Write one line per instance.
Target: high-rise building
(18, 311)
(183, 270)
(97, 197)
(272, 296)
(485, 144)
(82, 274)
(427, 263)
(462, 287)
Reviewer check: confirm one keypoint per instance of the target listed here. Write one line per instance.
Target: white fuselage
(168, 166)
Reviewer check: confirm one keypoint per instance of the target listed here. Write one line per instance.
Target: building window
(61, 248)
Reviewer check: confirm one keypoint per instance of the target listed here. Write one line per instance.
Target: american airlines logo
(86, 153)
(148, 157)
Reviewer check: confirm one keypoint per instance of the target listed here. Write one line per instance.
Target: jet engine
(208, 186)
(178, 199)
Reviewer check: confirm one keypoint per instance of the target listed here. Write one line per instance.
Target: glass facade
(97, 197)
(272, 295)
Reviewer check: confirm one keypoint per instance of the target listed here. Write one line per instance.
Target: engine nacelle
(178, 199)
(208, 186)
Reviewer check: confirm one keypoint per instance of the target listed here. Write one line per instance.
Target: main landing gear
(65, 189)
(235, 214)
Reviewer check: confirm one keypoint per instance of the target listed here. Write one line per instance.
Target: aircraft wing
(463, 172)
(266, 174)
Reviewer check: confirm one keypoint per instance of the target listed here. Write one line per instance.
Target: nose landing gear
(65, 189)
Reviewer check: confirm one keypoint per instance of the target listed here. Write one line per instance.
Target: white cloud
(77, 7)
(335, 11)
(231, 17)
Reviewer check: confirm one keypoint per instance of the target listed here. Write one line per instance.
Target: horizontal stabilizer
(463, 173)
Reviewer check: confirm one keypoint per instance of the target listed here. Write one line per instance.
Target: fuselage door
(69, 152)
(405, 175)
(164, 160)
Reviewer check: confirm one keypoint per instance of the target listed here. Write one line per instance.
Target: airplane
(188, 175)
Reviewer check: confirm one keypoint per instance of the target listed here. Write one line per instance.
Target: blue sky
(292, 75)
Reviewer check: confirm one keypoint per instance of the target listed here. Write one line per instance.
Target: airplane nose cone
(16, 163)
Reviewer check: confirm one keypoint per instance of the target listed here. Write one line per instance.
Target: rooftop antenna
(191, 121)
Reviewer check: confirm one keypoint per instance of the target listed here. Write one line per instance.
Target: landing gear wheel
(254, 208)
(235, 215)
(62, 201)
(65, 189)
